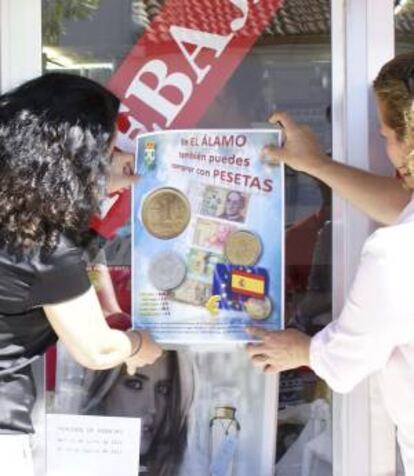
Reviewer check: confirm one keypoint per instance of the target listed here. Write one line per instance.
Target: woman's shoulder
(67, 247)
(395, 242)
(60, 276)
(66, 255)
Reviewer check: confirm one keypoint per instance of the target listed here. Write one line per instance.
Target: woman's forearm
(104, 287)
(112, 350)
(81, 326)
(133, 348)
(381, 198)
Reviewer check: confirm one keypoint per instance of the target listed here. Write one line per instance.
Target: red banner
(183, 60)
(177, 68)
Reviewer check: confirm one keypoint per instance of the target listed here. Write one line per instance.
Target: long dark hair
(167, 449)
(55, 133)
(166, 453)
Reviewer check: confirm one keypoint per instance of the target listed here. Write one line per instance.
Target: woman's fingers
(271, 369)
(300, 150)
(257, 349)
(258, 332)
(285, 120)
(266, 365)
(282, 350)
(272, 155)
(131, 369)
(148, 353)
(260, 361)
(123, 157)
(135, 363)
(121, 175)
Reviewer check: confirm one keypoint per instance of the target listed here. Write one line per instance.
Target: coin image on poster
(167, 270)
(258, 309)
(243, 248)
(166, 213)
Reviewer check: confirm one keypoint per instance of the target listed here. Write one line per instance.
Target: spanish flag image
(248, 284)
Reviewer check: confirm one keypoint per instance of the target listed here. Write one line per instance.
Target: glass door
(282, 62)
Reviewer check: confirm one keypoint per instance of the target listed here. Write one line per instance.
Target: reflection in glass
(224, 434)
(160, 394)
(289, 68)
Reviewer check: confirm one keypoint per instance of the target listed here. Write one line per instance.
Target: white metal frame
(20, 60)
(362, 40)
(380, 49)
(20, 41)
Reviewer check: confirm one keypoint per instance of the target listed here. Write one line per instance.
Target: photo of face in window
(234, 207)
(159, 395)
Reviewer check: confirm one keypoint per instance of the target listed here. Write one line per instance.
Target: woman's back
(25, 286)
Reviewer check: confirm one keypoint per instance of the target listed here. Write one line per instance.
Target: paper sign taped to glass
(208, 218)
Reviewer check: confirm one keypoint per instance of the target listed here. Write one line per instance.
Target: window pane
(404, 43)
(288, 68)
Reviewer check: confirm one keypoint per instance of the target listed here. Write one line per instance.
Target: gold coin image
(258, 309)
(243, 248)
(166, 213)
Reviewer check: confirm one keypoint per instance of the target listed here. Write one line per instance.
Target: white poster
(85, 445)
(208, 225)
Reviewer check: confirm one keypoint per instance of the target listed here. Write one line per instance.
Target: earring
(406, 172)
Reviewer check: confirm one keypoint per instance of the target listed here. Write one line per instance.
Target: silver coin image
(258, 309)
(167, 270)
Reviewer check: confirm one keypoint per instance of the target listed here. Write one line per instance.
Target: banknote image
(225, 204)
(212, 234)
(192, 292)
(202, 263)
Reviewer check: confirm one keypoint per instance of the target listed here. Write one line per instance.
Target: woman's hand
(121, 175)
(301, 149)
(148, 353)
(279, 350)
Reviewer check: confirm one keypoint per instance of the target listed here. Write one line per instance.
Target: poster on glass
(207, 255)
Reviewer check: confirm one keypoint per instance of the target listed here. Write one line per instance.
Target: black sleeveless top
(25, 333)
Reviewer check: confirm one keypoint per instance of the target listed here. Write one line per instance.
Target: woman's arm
(81, 326)
(102, 282)
(377, 317)
(381, 198)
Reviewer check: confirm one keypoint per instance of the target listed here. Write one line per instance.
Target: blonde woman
(375, 331)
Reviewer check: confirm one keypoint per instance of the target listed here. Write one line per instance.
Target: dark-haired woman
(56, 141)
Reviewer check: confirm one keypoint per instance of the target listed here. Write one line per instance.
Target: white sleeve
(376, 317)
